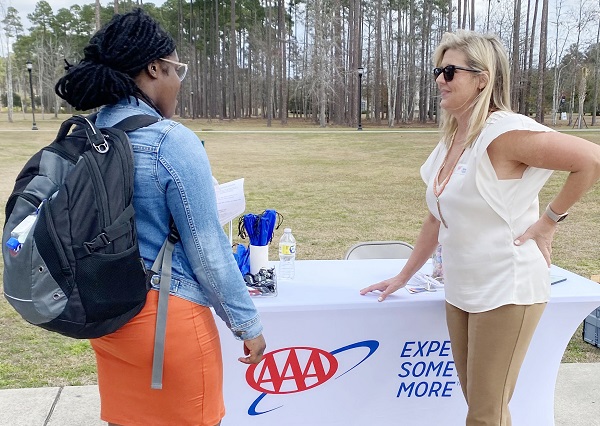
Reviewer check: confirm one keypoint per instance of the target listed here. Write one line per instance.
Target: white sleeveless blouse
(483, 269)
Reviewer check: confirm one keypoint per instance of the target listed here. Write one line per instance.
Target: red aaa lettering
(292, 377)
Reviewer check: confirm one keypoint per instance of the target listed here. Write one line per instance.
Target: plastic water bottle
(20, 233)
(287, 255)
(438, 268)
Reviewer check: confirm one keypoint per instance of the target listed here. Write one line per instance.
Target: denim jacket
(173, 177)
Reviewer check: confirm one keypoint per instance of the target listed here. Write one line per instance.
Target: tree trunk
(555, 88)
(356, 58)
(337, 110)
(9, 87)
(542, 61)
(595, 100)
(411, 61)
(377, 80)
(392, 67)
(582, 89)
(269, 58)
(281, 28)
(516, 75)
(400, 68)
(530, 62)
(97, 10)
(212, 42)
(232, 64)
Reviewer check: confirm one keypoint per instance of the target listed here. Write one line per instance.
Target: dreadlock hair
(116, 54)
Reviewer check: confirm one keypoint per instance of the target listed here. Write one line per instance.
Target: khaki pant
(488, 350)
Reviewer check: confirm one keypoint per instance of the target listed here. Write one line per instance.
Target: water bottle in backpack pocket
(20, 233)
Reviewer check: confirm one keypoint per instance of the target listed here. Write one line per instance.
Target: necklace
(438, 187)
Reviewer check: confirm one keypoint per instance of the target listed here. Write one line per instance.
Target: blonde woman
(483, 180)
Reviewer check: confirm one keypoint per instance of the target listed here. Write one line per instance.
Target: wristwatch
(555, 216)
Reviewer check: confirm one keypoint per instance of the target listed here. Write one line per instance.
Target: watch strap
(555, 217)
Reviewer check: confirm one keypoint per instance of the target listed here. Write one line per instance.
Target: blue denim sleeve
(185, 174)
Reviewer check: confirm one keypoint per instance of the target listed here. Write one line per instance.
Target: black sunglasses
(449, 71)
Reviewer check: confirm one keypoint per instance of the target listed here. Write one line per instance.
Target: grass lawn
(334, 187)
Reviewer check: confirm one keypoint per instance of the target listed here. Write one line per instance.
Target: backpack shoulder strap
(135, 122)
(164, 264)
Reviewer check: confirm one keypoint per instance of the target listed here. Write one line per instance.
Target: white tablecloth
(335, 357)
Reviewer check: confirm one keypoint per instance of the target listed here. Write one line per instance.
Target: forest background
(314, 59)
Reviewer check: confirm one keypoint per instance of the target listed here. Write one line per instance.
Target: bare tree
(232, 63)
(338, 74)
(542, 61)
(12, 27)
(400, 71)
(392, 67)
(411, 61)
(558, 52)
(425, 27)
(378, 65)
(595, 98)
(581, 96)
(97, 15)
(354, 58)
(282, 38)
(515, 62)
(269, 62)
(584, 18)
(529, 62)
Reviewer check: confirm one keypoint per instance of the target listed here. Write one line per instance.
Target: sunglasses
(180, 68)
(449, 71)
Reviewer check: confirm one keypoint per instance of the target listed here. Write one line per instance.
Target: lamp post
(361, 70)
(192, 103)
(29, 67)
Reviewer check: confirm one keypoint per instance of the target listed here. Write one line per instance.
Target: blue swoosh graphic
(371, 344)
(252, 409)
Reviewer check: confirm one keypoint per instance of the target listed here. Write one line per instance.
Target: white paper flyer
(230, 200)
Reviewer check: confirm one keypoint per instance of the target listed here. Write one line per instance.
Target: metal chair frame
(379, 250)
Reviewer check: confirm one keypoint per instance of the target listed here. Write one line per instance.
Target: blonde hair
(484, 52)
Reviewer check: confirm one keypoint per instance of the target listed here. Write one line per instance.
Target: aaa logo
(290, 370)
(297, 369)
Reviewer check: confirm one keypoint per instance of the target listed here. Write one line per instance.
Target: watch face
(562, 217)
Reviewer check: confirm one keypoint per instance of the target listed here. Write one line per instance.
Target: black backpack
(71, 258)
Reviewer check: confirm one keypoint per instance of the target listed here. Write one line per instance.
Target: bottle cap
(13, 244)
(287, 230)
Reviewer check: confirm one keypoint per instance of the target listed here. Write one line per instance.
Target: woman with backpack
(130, 67)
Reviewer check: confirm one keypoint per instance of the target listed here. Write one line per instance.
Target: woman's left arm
(553, 151)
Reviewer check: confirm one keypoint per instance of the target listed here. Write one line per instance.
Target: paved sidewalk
(577, 402)
(68, 406)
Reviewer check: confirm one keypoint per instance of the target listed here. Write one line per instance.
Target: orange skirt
(192, 392)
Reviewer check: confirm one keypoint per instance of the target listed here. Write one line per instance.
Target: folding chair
(379, 250)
